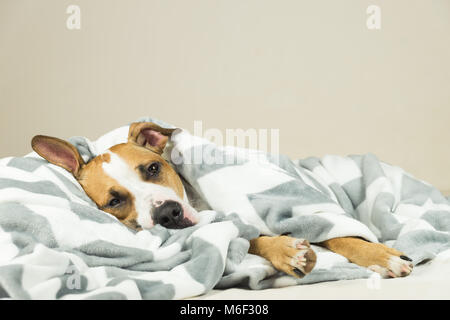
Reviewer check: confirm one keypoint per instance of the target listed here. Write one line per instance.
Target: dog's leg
(377, 257)
(290, 255)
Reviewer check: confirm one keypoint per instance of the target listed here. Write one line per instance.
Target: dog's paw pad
(299, 260)
(304, 261)
(291, 255)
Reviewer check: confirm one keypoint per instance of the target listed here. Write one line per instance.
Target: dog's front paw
(395, 266)
(293, 256)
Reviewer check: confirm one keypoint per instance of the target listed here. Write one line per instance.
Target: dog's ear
(149, 135)
(58, 152)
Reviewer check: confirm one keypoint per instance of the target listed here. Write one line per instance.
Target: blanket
(56, 244)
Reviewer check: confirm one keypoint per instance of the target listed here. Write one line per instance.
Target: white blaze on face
(147, 195)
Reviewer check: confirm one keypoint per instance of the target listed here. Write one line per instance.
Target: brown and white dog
(133, 182)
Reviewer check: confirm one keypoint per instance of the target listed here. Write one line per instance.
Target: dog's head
(131, 180)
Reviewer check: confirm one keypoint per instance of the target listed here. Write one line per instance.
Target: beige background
(310, 68)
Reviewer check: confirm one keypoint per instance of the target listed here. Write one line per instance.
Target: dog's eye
(153, 169)
(114, 202)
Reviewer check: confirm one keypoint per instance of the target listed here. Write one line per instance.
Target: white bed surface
(430, 280)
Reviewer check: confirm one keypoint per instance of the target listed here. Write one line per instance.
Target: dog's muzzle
(171, 215)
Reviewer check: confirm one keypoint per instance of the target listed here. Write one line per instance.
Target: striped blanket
(56, 244)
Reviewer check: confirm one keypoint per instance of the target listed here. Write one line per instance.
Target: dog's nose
(169, 214)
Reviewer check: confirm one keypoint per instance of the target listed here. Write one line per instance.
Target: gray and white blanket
(56, 244)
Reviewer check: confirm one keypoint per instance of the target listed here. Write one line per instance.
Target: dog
(133, 182)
